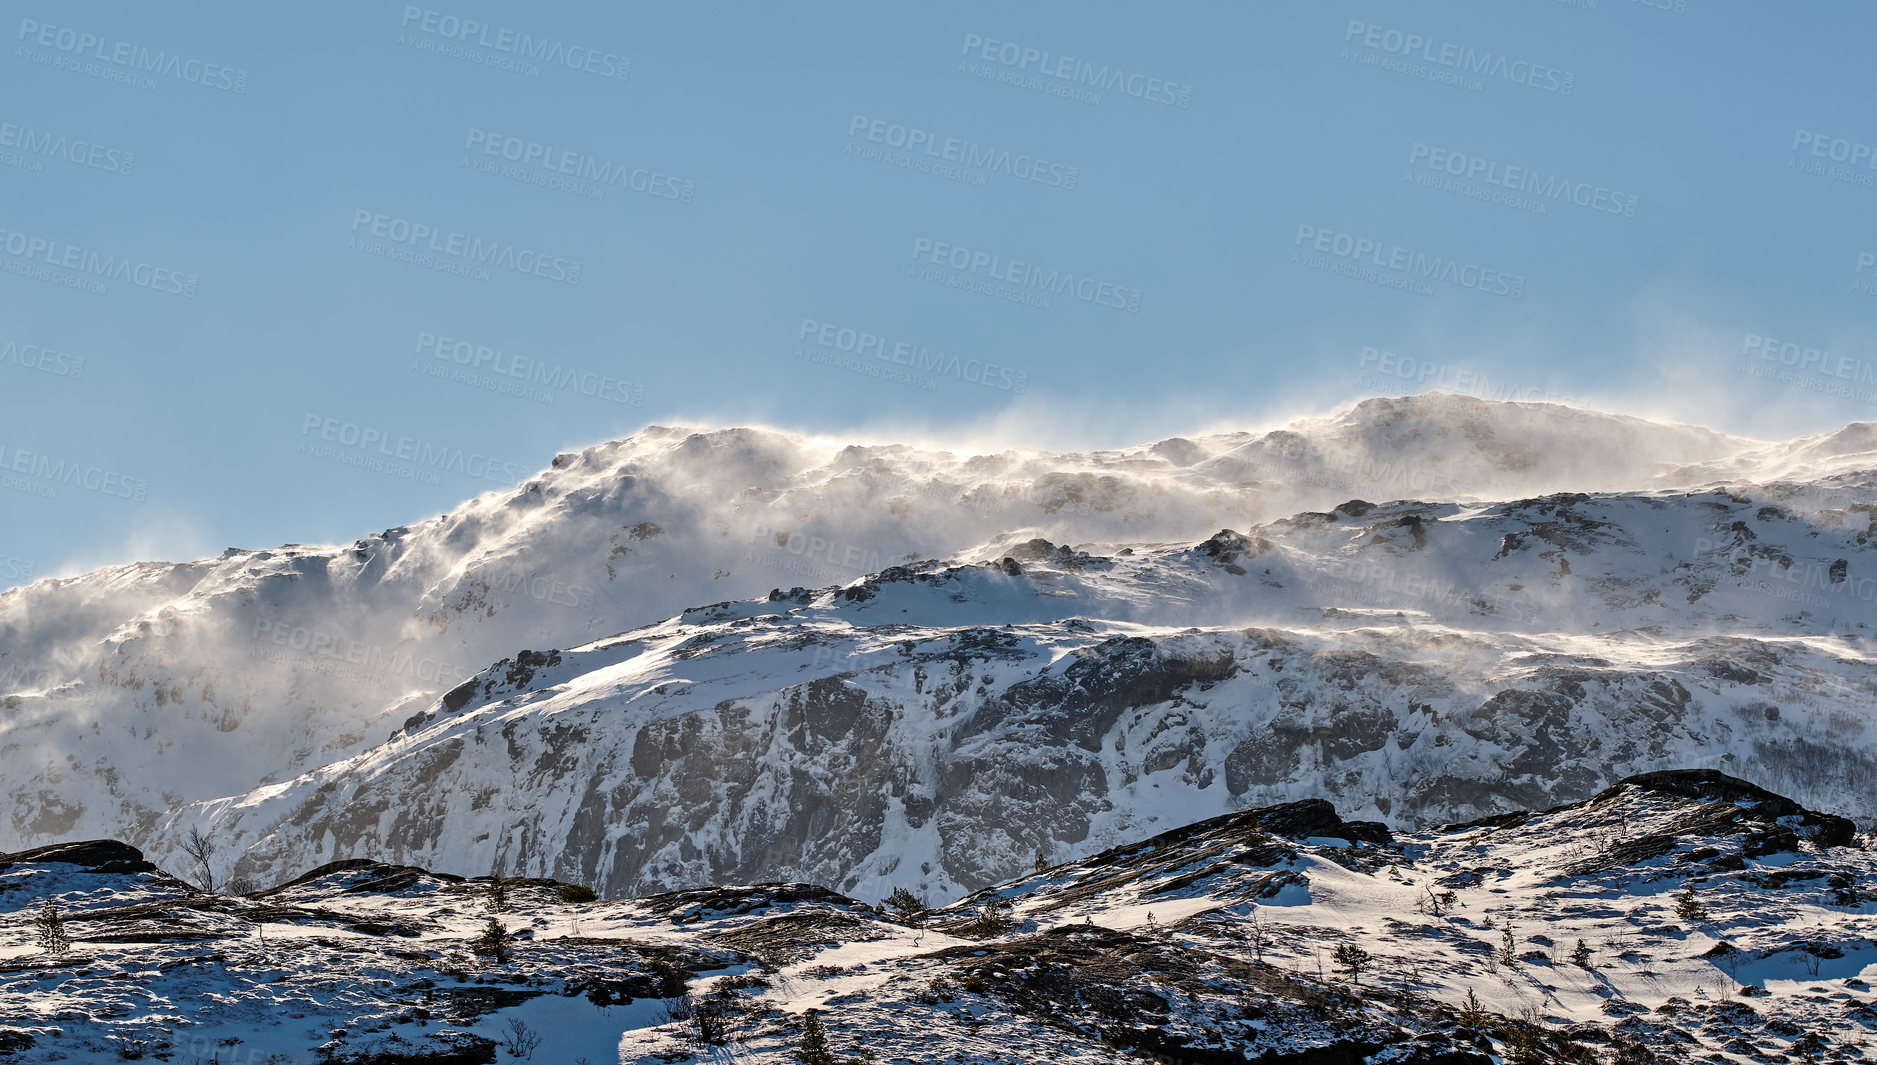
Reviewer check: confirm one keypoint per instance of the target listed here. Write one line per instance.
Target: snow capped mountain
(1431, 608)
(940, 724)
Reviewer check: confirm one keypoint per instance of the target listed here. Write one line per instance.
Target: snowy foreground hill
(922, 668)
(1675, 917)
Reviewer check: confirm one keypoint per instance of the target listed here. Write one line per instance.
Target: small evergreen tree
(1688, 907)
(498, 892)
(1581, 955)
(992, 920)
(1472, 1014)
(52, 937)
(493, 942)
(906, 904)
(673, 980)
(814, 1049)
(1521, 1044)
(1042, 863)
(1508, 946)
(1352, 960)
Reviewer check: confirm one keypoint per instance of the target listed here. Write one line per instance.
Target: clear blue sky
(266, 229)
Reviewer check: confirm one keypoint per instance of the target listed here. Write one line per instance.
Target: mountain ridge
(140, 691)
(924, 684)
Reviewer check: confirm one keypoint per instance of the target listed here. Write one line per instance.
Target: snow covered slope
(134, 691)
(940, 724)
(1676, 917)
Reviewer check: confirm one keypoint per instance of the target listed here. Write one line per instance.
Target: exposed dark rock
(97, 856)
(705, 903)
(1038, 550)
(508, 675)
(376, 876)
(1750, 803)
(443, 1048)
(1081, 703)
